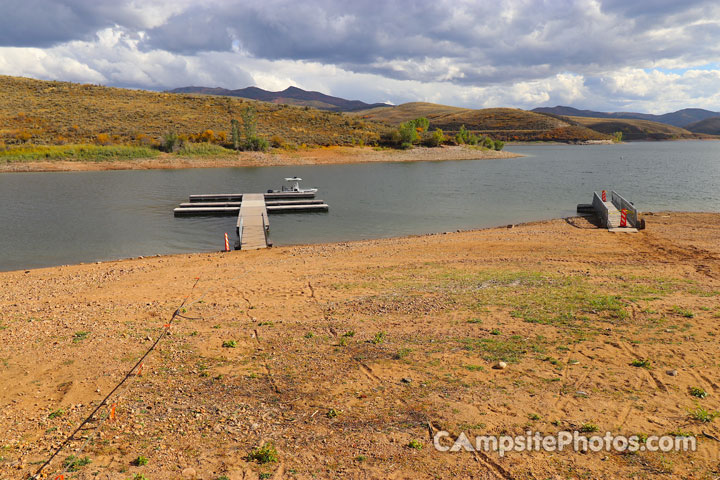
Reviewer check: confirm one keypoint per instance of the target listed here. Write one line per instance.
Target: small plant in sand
(57, 413)
(683, 312)
(332, 413)
(588, 428)
(309, 335)
(416, 444)
(698, 392)
(379, 338)
(140, 461)
(80, 336)
(229, 344)
(703, 415)
(73, 463)
(264, 454)
(534, 416)
(402, 353)
(641, 363)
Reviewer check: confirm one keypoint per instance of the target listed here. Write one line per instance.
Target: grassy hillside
(633, 129)
(52, 113)
(710, 126)
(503, 123)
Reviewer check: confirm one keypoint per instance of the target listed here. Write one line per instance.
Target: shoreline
(531, 223)
(334, 350)
(315, 156)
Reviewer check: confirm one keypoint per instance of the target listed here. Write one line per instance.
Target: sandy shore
(349, 357)
(316, 156)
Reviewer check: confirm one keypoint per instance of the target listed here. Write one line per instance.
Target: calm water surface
(60, 218)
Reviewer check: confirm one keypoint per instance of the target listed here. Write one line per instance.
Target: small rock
(580, 393)
(500, 365)
(189, 473)
(672, 373)
(254, 426)
(406, 380)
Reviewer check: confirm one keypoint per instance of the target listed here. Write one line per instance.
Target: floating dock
(252, 209)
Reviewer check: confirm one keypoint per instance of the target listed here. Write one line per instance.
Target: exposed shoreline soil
(348, 357)
(315, 156)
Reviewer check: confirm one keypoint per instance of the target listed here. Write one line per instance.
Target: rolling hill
(49, 112)
(289, 96)
(681, 118)
(503, 123)
(710, 126)
(636, 129)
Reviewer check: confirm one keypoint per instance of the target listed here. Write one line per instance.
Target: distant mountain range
(686, 118)
(290, 96)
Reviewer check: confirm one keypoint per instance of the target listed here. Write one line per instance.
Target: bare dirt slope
(343, 354)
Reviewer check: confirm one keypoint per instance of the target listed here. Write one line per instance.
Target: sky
(608, 55)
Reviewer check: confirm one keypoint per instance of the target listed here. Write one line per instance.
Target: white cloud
(603, 54)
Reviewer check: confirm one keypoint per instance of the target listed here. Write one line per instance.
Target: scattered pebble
(500, 365)
(672, 373)
(406, 380)
(189, 473)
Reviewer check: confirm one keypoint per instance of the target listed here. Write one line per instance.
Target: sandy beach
(348, 358)
(311, 156)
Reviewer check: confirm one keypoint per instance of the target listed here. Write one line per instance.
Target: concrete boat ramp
(252, 209)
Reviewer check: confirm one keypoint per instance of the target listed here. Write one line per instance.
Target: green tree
(169, 142)
(421, 124)
(249, 123)
(251, 140)
(437, 137)
(235, 133)
(465, 137)
(617, 137)
(408, 133)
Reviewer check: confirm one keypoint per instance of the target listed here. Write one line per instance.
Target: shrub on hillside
(434, 138)
(169, 142)
(464, 137)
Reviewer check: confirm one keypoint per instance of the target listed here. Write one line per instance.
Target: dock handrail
(600, 209)
(266, 230)
(620, 203)
(240, 229)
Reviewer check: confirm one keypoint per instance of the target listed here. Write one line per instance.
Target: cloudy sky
(642, 55)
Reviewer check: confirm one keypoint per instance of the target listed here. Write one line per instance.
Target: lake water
(61, 218)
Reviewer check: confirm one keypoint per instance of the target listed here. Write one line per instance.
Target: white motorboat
(294, 186)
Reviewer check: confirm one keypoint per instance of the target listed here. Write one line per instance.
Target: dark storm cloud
(44, 23)
(521, 39)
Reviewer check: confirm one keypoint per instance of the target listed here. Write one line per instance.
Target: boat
(294, 187)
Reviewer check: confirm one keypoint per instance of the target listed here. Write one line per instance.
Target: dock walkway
(252, 224)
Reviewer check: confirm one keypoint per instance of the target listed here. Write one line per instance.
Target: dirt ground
(313, 156)
(343, 360)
